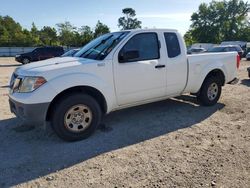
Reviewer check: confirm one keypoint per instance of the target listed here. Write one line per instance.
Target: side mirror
(128, 56)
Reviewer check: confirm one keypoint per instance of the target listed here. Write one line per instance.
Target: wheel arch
(216, 73)
(95, 93)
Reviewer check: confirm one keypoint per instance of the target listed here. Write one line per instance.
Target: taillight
(238, 61)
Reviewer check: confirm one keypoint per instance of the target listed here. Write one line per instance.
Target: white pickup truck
(114, 71)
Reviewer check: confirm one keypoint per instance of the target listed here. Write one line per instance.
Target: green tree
(189, 39)
(48, 36)
(100, 29)
(219, 21)
(66, 33)
(4, 34)
(128, 21)
(12, 32)
(86, 34)
(35, 38)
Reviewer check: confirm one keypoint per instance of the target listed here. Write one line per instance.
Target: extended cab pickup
(115, 71)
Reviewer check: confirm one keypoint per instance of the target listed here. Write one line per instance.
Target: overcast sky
(153, 13)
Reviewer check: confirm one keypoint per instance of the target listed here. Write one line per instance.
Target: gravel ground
(173, 143)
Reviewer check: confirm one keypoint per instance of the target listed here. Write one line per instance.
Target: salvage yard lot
(171, 143)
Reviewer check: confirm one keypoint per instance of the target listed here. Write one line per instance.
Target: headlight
(17, 55)
(29, 84)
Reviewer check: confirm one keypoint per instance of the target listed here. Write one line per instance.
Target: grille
(12, 80)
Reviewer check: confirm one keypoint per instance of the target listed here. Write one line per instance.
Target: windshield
(100, 47)
(70, 53)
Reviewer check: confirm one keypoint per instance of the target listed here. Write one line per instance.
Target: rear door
(42, 54)
(55, 52)
(176, 61)
(39, 53)
(49, 52)
(144, 77)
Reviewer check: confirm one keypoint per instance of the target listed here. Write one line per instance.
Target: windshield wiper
(92, 49)
(113, 42)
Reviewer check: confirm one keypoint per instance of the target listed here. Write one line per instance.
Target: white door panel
(140, 80)
(177, 67)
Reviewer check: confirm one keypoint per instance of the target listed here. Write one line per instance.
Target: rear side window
(146, 44)
(40, 50)
(173, 45)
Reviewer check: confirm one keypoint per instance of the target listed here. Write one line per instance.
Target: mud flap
(234, 81)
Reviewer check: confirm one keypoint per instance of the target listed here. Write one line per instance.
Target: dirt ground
(173, 143)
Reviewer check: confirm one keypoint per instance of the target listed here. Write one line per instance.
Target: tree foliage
(220, 21)
(66, 34)
(11, 33)
(100, 29)
(128, 21)
(86, 34)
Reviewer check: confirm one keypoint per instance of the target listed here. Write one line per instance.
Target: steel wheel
(78, 118)
(212, 91)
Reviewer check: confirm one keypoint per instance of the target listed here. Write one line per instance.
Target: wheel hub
(212, 92)
(78, 118)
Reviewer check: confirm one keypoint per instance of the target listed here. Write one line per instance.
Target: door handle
(160, 66)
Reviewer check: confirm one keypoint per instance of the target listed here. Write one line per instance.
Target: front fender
(67, 81)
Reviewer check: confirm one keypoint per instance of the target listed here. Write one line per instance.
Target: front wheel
(210, 91)
(76, 117)
(25, 61)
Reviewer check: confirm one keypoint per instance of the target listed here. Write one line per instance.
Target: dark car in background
(248, 56)
(40, 53)
(242, 44)
(70, 53)
(196, 50)
(228, 48)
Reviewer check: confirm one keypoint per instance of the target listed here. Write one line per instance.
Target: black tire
(203, 96)
(25, 60)
(63, 106)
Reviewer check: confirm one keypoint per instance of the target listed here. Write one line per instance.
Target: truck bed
(199, 65)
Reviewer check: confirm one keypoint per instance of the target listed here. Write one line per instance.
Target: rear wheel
(25, 61)
(210, 91)
(76, 117)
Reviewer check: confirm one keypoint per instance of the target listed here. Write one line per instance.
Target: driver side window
(145, 45)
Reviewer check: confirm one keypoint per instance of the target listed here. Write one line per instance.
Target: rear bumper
(234, 81)
(32, 113)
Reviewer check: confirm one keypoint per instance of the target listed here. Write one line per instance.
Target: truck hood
(35, 68)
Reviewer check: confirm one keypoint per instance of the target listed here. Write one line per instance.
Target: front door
(141, 75)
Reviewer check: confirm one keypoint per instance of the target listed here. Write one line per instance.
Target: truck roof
(152, 30)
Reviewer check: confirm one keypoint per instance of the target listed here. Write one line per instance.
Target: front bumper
(32, 113)
(18, 59)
